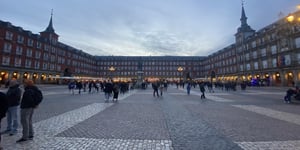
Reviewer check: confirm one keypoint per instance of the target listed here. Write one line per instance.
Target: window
(46, 47)
(248, 67)
(39, 45)
(7, 47)
(30, 42)
(254, 55)
(18, 62)
(274, 62)
(241, 68)
(45, 66)
(20, 39)
(5, 60)
(19, 50)
(255, 65)
(287, 59)
(37, 54)
(273, 49)
(27, 63)
(51, 66)
(263, 52)
(265, 64)
(29, 52)
(36, 64)
(8, 35)
(247, 56)
(46, 56)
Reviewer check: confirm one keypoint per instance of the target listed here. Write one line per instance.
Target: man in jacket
(27, 108)
(14, 96)
(3, 109)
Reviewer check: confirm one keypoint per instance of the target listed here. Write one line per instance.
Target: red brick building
(41, 57)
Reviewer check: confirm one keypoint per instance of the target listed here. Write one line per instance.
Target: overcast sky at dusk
(144, 27)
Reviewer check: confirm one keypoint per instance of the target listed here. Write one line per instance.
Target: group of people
(11, 101)
(159, 87)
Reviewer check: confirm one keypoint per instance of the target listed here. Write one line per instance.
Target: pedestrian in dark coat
(115, 92)
(27, 109)
(14, 97)
(3, 109)
(108, 89)
(155, 89)
(202, 90)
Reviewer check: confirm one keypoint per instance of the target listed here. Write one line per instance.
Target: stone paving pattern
(176, 121)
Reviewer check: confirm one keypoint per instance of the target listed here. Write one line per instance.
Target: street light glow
(290, 18)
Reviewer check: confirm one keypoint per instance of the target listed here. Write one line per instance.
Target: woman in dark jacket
(3, 109)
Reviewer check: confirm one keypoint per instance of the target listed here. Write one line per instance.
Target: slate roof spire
(244, 25)
(50, 26)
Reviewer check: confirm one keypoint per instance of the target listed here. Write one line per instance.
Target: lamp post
(180, 70)
(111, 70)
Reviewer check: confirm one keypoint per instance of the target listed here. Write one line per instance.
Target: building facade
(40, 57)
(270, 55)
(44, 59)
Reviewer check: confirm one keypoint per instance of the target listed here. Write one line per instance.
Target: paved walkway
(140, 121)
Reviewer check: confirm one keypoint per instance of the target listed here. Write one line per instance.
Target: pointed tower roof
(50, 26)
(49, 34)
(244, 25)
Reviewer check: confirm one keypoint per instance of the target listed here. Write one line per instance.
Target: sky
(144, 27)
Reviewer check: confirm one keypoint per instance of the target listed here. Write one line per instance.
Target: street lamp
(111, 69)
(180, 69)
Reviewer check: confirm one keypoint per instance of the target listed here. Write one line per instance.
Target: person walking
(32, 97)
(188, 88)
(3, 109)
(202, 90)
(14, 97)
(108, 88)
(115, 92)
(79, 86)
(155, 89)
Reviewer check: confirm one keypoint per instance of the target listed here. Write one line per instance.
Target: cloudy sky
(144, 27)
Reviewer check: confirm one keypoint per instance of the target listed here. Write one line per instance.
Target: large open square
(226, 120)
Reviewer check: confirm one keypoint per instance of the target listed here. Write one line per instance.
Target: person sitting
(289, 93)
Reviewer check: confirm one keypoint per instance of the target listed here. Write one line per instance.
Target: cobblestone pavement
(250, 120)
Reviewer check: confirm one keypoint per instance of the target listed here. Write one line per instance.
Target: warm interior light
(290, 18)
(267, 75)
(290, 74)
(277, 74)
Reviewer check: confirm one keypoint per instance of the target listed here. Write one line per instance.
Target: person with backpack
(14, 97)
(32, 97)
(3, 109)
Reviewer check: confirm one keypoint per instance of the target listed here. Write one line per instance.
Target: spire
(243, 17)
(244, 25)
(50, 26)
